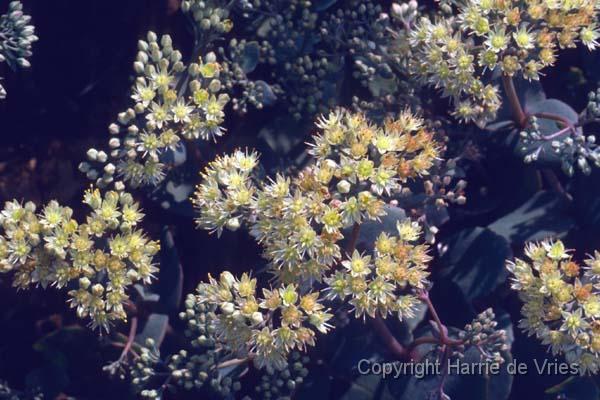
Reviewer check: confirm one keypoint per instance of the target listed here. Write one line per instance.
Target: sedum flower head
(517, 38)
(561, 301)
(99, 258)
(265, 326)
(385, 282)
(300, 221)
(172, 102)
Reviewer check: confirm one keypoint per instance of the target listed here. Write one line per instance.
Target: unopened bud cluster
(298, 72)
(483, 334)
(97, 260)
(572, 147)
(194, 369)
(303, 48)
(592, 110)
(8, 393)
(211, 16)
(142, 370)
(239, 57)
(16, 38)
(281, 383)
(212, 364)
(172, 102)
(381, 50)
(363, 28)
(561, 301)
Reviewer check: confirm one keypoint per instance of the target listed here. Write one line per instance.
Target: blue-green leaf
(475, 260)
(155, 327)
(249, 57)
(543, 215)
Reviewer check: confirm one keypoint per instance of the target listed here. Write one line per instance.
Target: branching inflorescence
(516, 38)
(300, 221)
(172, 103)
(97, 260)
(302, 224)
(561, 301)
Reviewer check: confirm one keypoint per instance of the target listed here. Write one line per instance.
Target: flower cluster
(515, 37)
(210, 363)
(383, 283)
(97, 259)
(561, 301)
(16, 38)
(172, 102)
(264, 327)
(300, 221)
(229, 325)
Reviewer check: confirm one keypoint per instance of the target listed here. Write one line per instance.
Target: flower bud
(233, 224)
(227, 308)
(92, 154)
(396, 10)
(227, 279)
(84, 282)
(257, 317)
(97, 289)
(343, 186)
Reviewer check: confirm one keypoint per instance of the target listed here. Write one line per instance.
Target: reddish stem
(130, 338)
(392, 344)
(557, 133)
(513, 101)
(554, 117)
(424, 297)
(522, 118)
